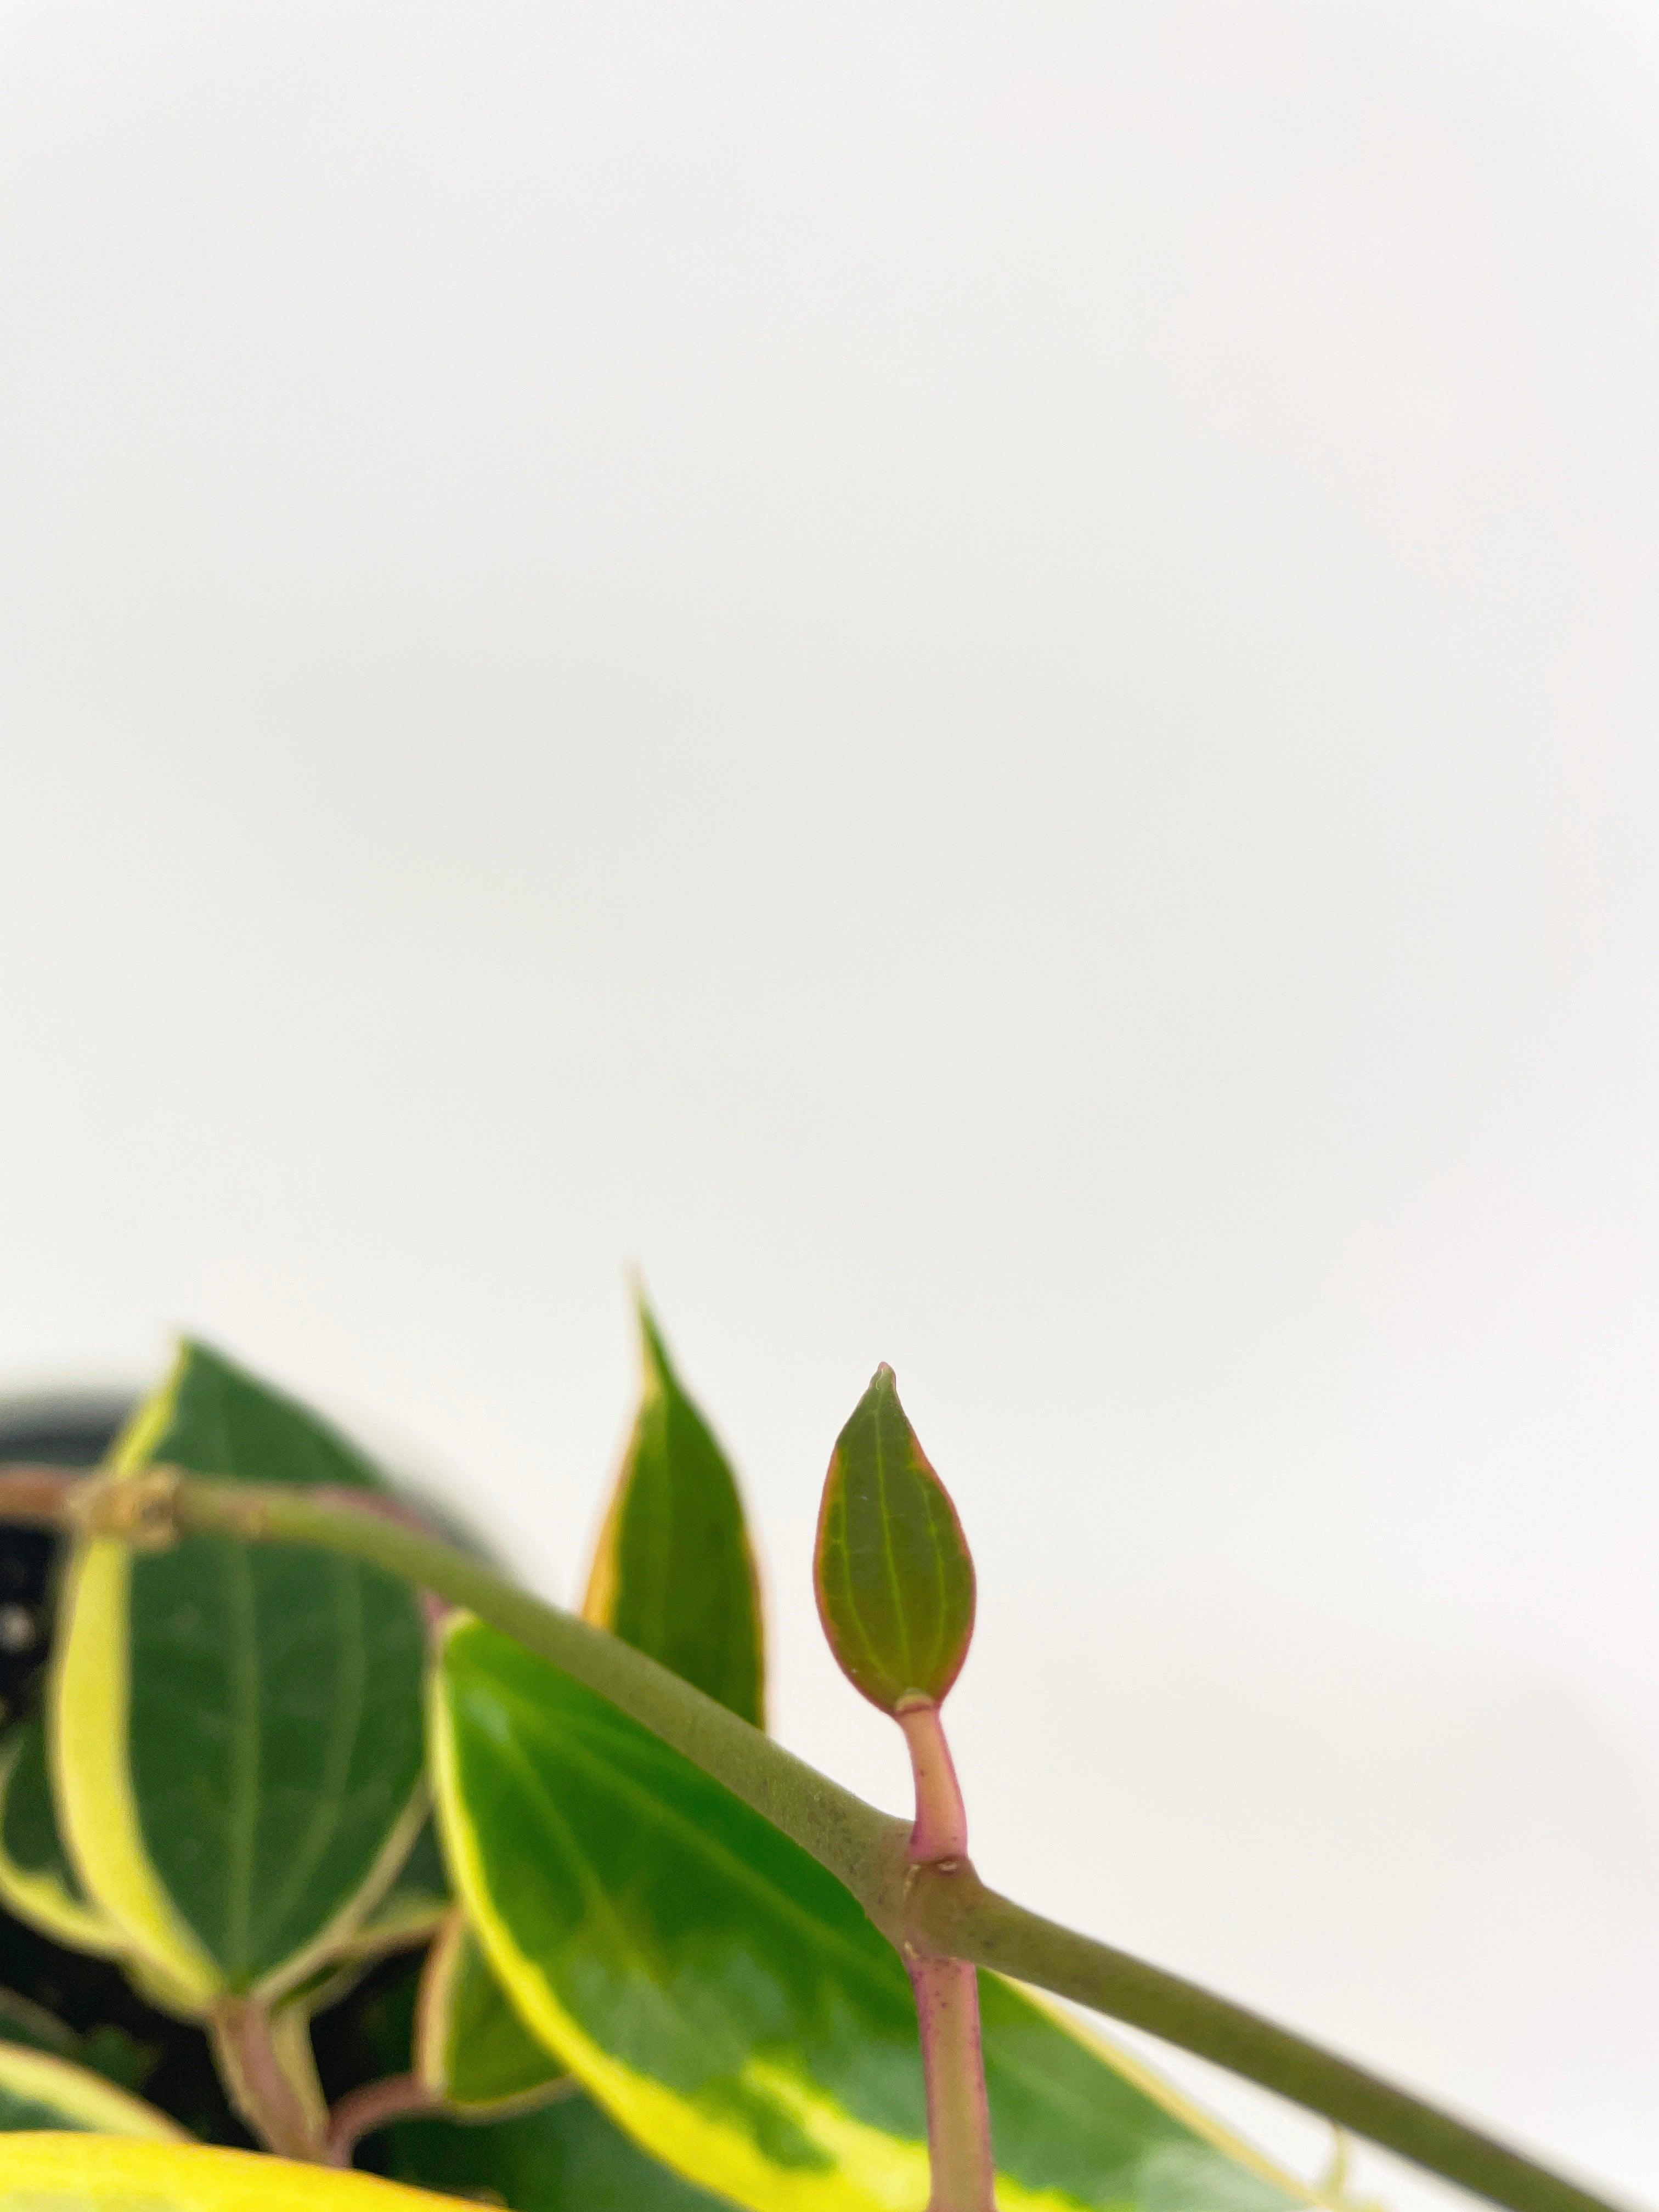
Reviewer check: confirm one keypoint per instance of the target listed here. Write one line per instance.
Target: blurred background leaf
(236, 1731)
(72, 2173)
(39, 2089)
(472, 2051)
(111, 2027)
(37, 1879)
(567, 2157)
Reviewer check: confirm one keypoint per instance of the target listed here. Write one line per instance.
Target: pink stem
(37, 1497)
(376, 2104)
(947, 1990)
(258, 2085)
(953, 2066)
(941, 1829)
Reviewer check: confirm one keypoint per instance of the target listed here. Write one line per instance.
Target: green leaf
(119, 2057)
(471, 2048)
(726, 2000)
(96, 2173)
(39, 2090)
(413, 1909)
(105, 2050)
(568, 2157)
(411, 1913)
(674, 1572)
(23, 2021)
(236, 1728)
(37, 1880)
(894, 1576)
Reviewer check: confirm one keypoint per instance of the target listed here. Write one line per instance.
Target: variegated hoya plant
(339, 1872)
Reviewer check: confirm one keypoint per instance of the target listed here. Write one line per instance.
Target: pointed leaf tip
(893, 1576)
(674, 1571)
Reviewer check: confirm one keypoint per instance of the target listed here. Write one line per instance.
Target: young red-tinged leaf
(893, 1576)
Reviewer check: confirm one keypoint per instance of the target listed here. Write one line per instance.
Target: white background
(980, 683)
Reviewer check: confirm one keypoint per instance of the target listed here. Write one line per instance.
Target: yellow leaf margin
(83, 2099)
(866, 2168)
(94, 2174)
(435, 2034)
(41, 1900)
(90, 1704)
(90, 1694)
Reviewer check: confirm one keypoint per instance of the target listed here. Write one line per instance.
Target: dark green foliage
(110, 2027)
(275, 1730)
(727, 2005)
(116, 2034)
(567, 2157)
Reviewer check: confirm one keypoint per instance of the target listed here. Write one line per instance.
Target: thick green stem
(961, 1915)
(863, 1847)
(953, 1913)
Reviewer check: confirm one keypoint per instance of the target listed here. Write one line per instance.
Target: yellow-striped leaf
(236, 1736)
(37, 1880)
(92, 2174)
(674, 1572)
(729, 2003)
(567, 2156)
(472, 2051)
(39, 2090)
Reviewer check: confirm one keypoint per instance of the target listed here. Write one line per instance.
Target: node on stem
(895, 1584)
